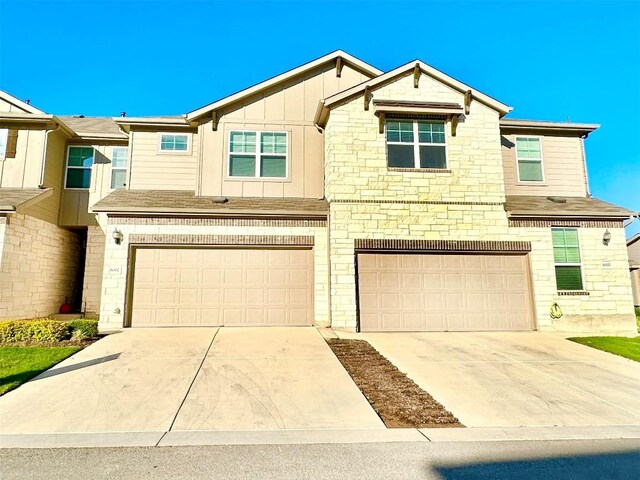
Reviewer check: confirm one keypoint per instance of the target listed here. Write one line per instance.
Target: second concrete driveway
(516, 379)
(155, 380)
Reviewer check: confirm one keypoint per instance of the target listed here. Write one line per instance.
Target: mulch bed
(397, 400)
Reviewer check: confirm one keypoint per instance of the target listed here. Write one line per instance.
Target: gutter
(44, 155)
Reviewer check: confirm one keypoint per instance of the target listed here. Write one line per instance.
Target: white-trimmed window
(416, 144)
(174, 142)
(4, 135)
(529, 159)
(79, 163)
(566, 254)
(258, 154)
(119, 160)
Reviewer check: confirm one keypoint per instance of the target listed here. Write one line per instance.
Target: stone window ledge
(419, 170)
(571, 293)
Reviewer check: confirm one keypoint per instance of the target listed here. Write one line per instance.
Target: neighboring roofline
(330, 101)
(127, 122)
(541, 125)
(199, 212)
(35, 118)
(633, 239)
(349, 59)
(19, 103)
(537, 214)
(8, 209)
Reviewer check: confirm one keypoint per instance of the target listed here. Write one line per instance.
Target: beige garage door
(433, 292)
(222, 286)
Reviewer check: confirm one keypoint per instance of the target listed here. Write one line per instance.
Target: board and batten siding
(288, 107)
(23, 171)
(155, 170)
(562, 161)
(7, 107)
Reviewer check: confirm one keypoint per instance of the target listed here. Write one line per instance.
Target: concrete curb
(302, 437)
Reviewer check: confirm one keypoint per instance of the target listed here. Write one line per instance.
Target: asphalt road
(549, 460)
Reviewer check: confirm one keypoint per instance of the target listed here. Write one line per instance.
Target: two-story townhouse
(335, 194)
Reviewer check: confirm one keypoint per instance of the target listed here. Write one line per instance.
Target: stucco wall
(38, 268)
(116, 258)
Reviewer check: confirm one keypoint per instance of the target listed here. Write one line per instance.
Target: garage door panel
(435, 292)
(216, 286)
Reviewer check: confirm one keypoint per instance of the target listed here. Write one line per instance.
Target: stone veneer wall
(369, 200)
(38, 266)
(94, 264)
(116, 256)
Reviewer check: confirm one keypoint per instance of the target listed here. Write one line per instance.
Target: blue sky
(561, 60)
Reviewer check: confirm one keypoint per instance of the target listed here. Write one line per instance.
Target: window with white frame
(170, 142)
(416, 144)
(119, 159)
(529, 158)
(4, 134)
(258, 154)
(79, 162)
(566, 254)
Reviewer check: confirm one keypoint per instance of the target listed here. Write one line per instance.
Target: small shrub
(42, 330)
(83, 329)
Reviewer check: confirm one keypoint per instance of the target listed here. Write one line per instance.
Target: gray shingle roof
(185, 202)
(12, 198)
(528, 205)
(88, 126)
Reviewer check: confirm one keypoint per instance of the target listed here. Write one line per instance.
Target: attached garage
(225, 286)
(444, 291)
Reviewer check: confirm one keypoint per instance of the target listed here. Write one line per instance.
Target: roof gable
(24, 106)
(425, 69)
(283, 77)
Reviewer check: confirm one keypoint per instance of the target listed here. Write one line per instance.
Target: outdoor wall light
(606, 238)
(117, 236)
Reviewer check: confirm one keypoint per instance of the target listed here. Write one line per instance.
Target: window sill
(572, 293)
(419, 170)
(531, 183)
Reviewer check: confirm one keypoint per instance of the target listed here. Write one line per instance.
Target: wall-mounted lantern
(606, 237)
(117, 236)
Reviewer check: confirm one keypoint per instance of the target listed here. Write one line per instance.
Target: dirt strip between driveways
(397, 400)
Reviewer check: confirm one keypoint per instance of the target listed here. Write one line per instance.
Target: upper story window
(529, 158)
(258, 154)
(416, 144)
(170, 142)
(566, 254)
(4, 134)
(119, 158)
(79, 162)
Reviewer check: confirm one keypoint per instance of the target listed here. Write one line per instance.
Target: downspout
(44, 155)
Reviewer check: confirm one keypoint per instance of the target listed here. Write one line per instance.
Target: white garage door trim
(265, 295)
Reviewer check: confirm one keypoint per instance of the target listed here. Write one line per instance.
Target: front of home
(336, 195)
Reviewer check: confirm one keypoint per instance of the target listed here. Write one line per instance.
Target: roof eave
(142, 211)
(567, 215)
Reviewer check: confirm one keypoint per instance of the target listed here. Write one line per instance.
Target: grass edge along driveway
(19, 364)
(628, 347)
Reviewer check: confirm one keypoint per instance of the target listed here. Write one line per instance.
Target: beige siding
(151, 169)
(563, 165)
(634, 252)
(9, 107)
(48, 208)
(290, 107)
(635, 286)
(23, 171)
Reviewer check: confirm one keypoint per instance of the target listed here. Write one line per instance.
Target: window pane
(568, 278)
(432, 157)
(559, 255)
(528, 148)
(174, 142)
(530, 171)
(180, 142)
(431, 132)
(242, 166)
(118, 178)
(78, 178)
(400, 132)
(80, 156)
(243, 142)
(273, 166)
(573, 254)
(119, 157)
(400, 156)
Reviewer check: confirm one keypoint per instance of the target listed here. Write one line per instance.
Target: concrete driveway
(517, 379)
(156, 380)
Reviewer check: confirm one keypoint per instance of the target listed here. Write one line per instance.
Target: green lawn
(628, 347)
(19, 364)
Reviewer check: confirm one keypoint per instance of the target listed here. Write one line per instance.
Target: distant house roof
(565, 207)
(93, 127)
(331, 57)
(185, 202)
(540, 125)
(12, 199)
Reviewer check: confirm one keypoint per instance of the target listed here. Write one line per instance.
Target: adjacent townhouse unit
(333, 194)
(633, 248)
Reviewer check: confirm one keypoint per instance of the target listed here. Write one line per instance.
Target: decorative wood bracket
(454, 124)
(381, 122)
(214, 121)
(467, 101)
(416, 75)
(367, 97)
(339, 65)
